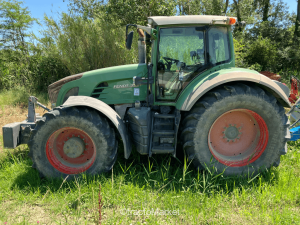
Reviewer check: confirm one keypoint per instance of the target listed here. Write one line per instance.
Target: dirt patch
(12, 114)
(32, 214)
(26, 213)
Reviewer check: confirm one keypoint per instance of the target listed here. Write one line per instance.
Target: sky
(38, 8)
(51, 7)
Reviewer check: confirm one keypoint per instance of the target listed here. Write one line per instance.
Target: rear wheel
(236, 129)
(69, 141)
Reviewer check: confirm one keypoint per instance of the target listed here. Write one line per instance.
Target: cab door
(186, 52)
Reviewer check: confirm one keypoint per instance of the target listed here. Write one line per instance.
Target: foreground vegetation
(90, 36)
(141, 183)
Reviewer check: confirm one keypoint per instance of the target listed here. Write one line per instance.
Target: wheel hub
(238, 137)
(70, 150)
(232, 133)
(74, 147)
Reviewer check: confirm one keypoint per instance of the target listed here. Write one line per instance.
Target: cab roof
(190, 19)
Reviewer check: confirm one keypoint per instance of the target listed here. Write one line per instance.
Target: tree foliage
(137, 11)
(297, 21)
(86, 44)
(21, 62)
(14, 24)
(91, 35)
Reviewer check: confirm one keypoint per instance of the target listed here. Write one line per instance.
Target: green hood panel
(115, 84)
(118, 72)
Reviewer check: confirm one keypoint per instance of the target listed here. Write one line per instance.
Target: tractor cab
(182, 51)
(185, 52)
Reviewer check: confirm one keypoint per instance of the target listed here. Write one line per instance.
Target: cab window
(183, 55)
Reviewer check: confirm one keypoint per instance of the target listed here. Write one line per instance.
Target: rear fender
(108, 112)
(277, 89)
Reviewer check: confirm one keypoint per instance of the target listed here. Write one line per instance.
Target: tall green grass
(160, 182)
(19, 96)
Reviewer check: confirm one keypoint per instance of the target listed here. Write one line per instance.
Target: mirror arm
(149, 30)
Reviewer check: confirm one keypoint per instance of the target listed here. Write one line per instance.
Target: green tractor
(228, 119)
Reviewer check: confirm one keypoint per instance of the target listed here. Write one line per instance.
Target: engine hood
(117, 72)
(112, 85)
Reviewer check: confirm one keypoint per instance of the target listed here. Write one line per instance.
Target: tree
(137, 11)
(87, 8)
(297, 22)
(226, 6)
(243, 10)
(123, 12)
(14, 24)
(263, 7)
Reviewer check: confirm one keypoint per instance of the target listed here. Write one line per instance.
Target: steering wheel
(169, 62)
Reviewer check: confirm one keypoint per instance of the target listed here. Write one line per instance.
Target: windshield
(183, 45)
(183, 55)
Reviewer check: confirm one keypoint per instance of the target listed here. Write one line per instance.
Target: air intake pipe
(141, 46)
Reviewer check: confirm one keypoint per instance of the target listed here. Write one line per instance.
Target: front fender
(187, 100)
(108, 112)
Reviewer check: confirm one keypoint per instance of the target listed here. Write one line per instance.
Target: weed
(142, 189)
(100, 204)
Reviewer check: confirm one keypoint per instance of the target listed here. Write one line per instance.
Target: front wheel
(69, 141)
(236, 129)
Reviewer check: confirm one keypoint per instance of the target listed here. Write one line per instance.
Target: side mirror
(129, 40)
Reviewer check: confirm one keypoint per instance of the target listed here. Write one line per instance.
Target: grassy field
(141, 190)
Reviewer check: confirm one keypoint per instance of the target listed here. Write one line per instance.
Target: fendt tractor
(228, 119)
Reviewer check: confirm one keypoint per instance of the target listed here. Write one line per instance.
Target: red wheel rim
(238, 137)
(70, 150)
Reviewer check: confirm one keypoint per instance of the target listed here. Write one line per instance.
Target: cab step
(162, 150)
(164, 132)
(164, 116)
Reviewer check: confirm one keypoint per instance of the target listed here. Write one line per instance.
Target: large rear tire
(237, 129)
(72, 140)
